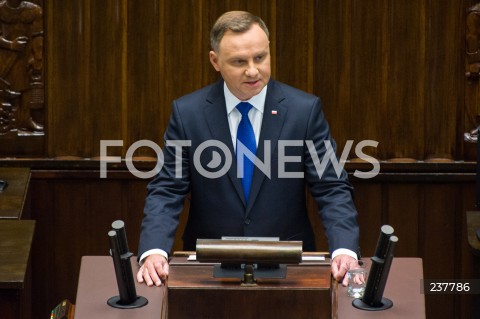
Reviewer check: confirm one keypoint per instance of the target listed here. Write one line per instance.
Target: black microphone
(127, 297)
(377, 277)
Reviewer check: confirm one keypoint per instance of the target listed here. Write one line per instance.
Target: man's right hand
(153, 271)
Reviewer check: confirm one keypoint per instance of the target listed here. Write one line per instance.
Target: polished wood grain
(15, 281)
(15, 243)
(387, 71)
(304, 293)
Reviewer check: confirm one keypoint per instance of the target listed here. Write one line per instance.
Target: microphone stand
(127, 298)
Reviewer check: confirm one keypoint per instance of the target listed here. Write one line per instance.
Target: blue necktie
(246, 136)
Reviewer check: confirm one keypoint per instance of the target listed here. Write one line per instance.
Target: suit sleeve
(166, 193)
(333, 193)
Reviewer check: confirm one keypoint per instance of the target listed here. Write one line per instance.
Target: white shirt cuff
(152, 252)
(344, 251)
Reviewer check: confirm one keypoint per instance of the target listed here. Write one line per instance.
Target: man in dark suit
(284, 127)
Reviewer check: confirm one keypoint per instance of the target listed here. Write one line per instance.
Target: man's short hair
(235, 21)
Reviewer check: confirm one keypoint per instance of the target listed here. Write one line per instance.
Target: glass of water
(357, 281)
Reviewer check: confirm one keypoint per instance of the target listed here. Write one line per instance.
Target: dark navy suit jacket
(277, 206)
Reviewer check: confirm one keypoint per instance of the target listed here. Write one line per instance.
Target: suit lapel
(274, 115)
(217, 119)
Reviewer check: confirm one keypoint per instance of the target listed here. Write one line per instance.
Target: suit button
(247, 221)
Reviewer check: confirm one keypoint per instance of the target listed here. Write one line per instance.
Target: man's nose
(251, 70)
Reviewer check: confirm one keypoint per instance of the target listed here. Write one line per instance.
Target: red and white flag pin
(274, 112)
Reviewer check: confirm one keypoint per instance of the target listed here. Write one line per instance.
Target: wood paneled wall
(390, 71)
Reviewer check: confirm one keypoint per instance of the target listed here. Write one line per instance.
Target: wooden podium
(193, 292)
(97, 283)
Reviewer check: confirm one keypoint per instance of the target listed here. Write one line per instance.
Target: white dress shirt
(255, 114)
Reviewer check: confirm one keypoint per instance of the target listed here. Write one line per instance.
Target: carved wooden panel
(22, 102)
(472, 72)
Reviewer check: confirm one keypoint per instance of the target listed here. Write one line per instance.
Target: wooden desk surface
(403, 288)
(97, 283)
(15, 242)
(12, 199)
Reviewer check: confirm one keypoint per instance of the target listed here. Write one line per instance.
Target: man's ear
(214, 60)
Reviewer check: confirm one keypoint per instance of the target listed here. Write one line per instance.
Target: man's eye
(259, 57)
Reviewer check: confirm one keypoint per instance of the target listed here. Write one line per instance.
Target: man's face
(243, 59)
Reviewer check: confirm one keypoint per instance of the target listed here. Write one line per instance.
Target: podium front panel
(193, 292)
